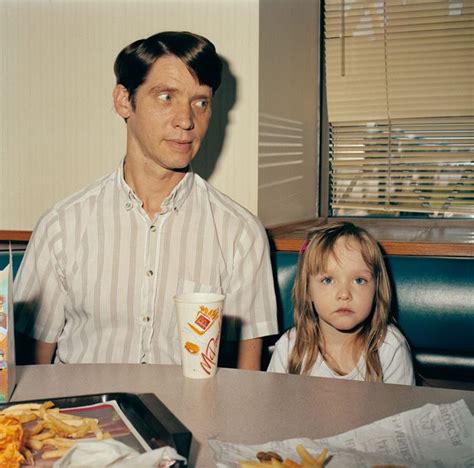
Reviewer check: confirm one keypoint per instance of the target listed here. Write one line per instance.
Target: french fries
(273, 460)
(306, 460)
(11, 435)
(54, 433)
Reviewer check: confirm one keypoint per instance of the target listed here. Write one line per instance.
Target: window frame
(323, 198)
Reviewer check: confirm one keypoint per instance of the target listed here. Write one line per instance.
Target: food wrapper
(7, 335)
(112, 453)
(438, 436)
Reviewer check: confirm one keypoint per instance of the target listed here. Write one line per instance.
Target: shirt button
(146, 318)
(128, 206)
(143, 362)
(153, 228)
(149, 273)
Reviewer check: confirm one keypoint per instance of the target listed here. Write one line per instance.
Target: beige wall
(58, 129)
(288, 110)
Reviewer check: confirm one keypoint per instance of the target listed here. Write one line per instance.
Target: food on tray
(268, 456)
(11, 436)
(41, 427)
(272, 459)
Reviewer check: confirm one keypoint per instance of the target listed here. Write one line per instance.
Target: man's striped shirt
(99, 276)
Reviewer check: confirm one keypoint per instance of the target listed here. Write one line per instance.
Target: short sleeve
(396, 360)
(280, 355)
(250, 297)
(39, 294)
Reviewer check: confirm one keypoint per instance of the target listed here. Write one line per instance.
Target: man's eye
(202, 103)
(360, 281)
(164, 97)
(327, 280)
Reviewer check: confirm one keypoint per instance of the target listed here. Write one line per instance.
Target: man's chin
(183, 170)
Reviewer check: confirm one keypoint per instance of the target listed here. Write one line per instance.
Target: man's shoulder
(67, 208)
(85, 194)
(223, 202)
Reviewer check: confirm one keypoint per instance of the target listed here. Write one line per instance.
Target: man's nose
(184, 117)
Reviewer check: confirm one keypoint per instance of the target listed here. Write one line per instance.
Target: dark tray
(150, 417)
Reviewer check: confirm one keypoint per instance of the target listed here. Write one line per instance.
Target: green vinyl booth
(433, 305)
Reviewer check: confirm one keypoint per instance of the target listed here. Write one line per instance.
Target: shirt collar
(174, 201)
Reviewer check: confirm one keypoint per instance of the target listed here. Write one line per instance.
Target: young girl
(341, 300)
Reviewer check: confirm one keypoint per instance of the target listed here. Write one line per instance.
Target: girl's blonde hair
(313, 260)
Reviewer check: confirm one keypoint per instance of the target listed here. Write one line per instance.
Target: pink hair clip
(304, 247)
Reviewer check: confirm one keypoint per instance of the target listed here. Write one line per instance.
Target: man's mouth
(180, 145)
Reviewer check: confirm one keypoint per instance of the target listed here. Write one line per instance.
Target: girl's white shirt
(395, 358)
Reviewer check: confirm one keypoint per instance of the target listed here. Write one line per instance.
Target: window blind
(399, 77)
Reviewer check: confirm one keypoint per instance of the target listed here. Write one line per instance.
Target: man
(102, 267)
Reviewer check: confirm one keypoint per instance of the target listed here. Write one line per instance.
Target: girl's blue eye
(360, 281)
(327, 280)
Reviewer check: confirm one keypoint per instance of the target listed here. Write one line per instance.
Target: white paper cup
(199, 328)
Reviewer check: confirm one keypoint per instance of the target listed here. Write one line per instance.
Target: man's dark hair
(134, 62)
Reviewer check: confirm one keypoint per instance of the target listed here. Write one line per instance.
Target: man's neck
(151, 183)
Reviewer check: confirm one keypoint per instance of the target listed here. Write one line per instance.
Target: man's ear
(122, 105)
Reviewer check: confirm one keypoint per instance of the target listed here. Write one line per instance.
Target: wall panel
(288, 110)
(58, 128)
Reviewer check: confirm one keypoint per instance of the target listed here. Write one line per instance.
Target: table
(238, 406)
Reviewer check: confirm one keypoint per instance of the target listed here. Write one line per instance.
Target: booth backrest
(433, 305)
(17, 257)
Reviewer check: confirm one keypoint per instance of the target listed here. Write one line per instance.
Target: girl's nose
(344, 293)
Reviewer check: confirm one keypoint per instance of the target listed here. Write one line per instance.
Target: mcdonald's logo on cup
(199, 327)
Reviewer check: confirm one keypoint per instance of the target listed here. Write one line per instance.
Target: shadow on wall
(205, 161)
